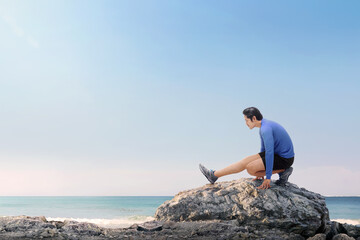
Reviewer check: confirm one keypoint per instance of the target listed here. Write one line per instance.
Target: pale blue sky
(127, 97)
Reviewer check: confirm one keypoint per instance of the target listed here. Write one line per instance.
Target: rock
(169, 225)
(207, 230)
(134, 226)
(319, 236)
(334, 228)
(328, 231)
(47, 233)
(342, 236)
(352, 230)
(290, 209)
(22, 223)
(150, 226)
(58, 224)
(82, 228)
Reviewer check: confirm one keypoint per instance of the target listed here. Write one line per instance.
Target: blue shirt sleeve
(262, 149)
(268, 139)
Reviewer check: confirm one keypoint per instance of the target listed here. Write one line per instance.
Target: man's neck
(258, 124)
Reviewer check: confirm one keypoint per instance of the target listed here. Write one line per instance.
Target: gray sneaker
(284, 176)
(209, 174)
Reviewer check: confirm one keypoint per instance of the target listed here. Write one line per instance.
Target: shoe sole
(202, 169)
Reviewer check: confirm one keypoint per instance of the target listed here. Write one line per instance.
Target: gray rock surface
(319, 236)
(23, 227)
(342, 236)
(334, 228)
(290, 209)
(351, 230)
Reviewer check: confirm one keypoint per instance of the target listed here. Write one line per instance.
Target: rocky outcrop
(334, 229)
(290, 209)
(23, 227)
(225, 210)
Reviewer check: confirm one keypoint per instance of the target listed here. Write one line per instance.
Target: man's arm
(262, 149)
(269, 151)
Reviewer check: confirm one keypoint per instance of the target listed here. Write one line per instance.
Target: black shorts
(279, 162)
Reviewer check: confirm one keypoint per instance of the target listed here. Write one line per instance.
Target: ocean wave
(108, 223)
(348, 221)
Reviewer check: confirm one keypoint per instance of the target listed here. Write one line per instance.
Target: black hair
(251, 112)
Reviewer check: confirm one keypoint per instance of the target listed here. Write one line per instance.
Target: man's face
(249, 123)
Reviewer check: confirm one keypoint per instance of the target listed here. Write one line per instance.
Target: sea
(123, 211)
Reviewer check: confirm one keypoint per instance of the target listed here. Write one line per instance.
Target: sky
(118, 98)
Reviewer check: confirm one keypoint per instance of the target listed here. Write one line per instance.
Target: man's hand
(265, 184)
(258, 178)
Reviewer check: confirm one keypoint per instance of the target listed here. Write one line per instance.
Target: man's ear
(253, 119)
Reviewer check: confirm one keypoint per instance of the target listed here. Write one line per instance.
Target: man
(276, 154)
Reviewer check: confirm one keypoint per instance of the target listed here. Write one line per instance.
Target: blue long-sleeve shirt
(274, 140)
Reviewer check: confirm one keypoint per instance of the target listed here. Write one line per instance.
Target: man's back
(282, 142)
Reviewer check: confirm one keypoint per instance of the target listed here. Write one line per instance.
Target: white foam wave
(108, 223)
(348, 221)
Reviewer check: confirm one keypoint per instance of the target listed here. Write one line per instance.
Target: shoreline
(108, 222)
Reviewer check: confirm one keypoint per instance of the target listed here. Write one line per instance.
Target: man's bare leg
(237, 167)
(256, 168)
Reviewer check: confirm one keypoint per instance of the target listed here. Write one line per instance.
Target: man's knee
(250, 170)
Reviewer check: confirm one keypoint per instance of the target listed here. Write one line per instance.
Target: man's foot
(209, 174)
(284, 176)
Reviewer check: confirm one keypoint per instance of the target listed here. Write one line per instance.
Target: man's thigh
(250, 159)
(255, 166)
